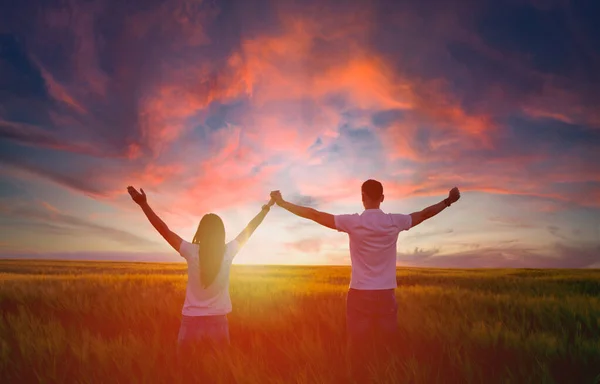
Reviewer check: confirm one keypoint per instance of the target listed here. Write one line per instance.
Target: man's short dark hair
(373, 189)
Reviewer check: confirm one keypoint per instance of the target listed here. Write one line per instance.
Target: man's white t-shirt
(373, 238)
(214, 300)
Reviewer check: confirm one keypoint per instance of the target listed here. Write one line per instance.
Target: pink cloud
(60, 93)
(563, 104)
(231, 182)
(50, 207)
(37, 137)
(312, 245)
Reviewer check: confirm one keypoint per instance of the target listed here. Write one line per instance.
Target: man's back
(373, 238)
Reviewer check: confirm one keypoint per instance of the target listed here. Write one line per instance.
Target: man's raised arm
(322, 218)
(429, 212)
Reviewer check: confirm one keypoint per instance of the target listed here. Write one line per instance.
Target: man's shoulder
(347, 216)
(346, 222)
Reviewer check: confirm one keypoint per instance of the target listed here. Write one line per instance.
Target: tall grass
(118, 322)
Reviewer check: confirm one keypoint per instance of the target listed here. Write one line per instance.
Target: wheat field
(104, 322)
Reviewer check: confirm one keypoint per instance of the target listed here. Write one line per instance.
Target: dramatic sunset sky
(209, 105)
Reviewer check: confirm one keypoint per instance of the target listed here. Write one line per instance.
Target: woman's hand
(269, 204)
(139, 198)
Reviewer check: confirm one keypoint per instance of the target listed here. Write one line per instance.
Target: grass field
(118, 323)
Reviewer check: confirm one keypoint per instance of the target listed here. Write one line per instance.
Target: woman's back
(209, 259)
(214, 299)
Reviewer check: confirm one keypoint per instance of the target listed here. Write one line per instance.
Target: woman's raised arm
(140, 198)
(243, 237)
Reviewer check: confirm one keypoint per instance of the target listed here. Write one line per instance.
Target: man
(371, 309)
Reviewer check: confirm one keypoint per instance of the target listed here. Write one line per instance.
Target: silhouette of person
(371, 308)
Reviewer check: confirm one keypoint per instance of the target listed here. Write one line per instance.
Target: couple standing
(371, 310)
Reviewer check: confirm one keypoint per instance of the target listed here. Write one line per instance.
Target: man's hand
(429, 212)
(454, 195)
(276, 197)
(139, 198)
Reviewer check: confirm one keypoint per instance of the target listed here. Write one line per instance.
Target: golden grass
(118, 322)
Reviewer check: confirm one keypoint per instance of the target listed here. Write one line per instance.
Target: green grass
(118, 322)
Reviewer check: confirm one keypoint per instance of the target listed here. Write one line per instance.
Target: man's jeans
(371, 326)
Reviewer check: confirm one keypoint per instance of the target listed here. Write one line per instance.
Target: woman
(207, 301)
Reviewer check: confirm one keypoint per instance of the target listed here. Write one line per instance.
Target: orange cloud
(288, 81)
(288, 66)
(153, 175)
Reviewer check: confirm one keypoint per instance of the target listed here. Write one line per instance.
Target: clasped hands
(275, 198)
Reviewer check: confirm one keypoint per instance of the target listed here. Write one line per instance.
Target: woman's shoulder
(233, 244)
(231, 248)
(187, 249)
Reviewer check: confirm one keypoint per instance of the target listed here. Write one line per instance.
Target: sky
(209, 105)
